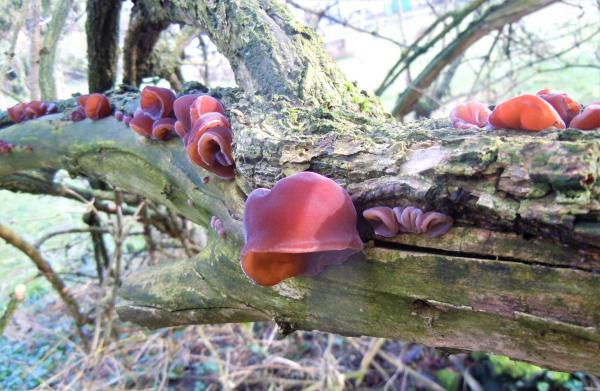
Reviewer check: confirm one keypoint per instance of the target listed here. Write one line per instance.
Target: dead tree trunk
(517, 276)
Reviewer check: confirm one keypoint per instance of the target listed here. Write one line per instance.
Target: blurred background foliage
(385, 46)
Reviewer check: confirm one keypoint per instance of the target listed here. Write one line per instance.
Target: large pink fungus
(157, 102)
(305, 223)
(470, 114)
(382, 220)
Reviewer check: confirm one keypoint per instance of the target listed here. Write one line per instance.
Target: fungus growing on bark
(26, 111)
(305, 223)
(211, 150)
(566, 107)
(413, 220)
(469, 114)
(16, 113)
(435, 224)
(529, 112)
(96, 106)
(205, 104)
(408, 219)
(141, 123)
(78, 114)
(382, 220)
(34, 109)
(163, 128)
(588, 119)
(157, 102)
(182, 107)
(215, 223)
(211, 120)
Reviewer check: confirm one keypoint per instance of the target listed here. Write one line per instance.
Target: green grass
(31, 217)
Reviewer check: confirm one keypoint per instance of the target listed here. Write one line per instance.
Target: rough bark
(102, 31)
(517, 275)
(142, 35)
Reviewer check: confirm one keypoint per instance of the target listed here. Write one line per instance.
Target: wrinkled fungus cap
(588, 119)
(97, 106)
(16, 113)
(529, 112)
(157, 102)
(141, 123)
(163, 128)
(469, 114)
(566, 107)
(182, 107)
(211, 150)
(382, 220)
(306, 222)
(205, 104)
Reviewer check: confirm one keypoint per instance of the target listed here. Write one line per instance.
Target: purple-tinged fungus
(305, 223)
(182, 107)
(157, 102)
(141, 123)
(163, 128)
(382, 220)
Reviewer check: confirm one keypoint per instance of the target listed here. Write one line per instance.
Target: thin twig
(44, 267)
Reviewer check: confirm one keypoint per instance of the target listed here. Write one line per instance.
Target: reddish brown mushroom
(16, 113)
(157, 102)
(118, 115)
(469, 114)
(141, 123)
(529, 112)
(211, 120)
(566, 107)
(211, 150)
(205, 104)
(35, 109)
(96, 106)
(182, 107)
(127, 120)
(588, 119)
(78, 114)
(163, 128)
(382, 220)
(305, 223)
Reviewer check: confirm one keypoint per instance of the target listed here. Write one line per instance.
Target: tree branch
(493, 18)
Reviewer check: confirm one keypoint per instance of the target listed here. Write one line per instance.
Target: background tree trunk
(517, 275)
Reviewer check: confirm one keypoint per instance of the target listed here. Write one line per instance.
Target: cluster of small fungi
(531, 112)
(388, 222)
(29, 110)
